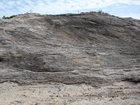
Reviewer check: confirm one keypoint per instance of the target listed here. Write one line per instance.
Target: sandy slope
(61, 94)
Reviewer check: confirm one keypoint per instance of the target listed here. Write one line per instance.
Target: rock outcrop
(87, 56)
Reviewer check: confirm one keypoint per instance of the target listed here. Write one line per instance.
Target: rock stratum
(69, 59)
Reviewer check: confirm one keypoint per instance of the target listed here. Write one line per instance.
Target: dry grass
(94, 12)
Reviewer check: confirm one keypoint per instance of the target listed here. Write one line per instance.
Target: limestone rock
(93, 49)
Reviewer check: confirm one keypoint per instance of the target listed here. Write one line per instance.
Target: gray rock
(72, 49)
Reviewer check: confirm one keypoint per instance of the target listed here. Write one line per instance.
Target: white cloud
(136, 2)
(121, 6)
(133, 15)
(58, 6)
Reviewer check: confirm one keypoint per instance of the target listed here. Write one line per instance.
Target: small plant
(4, 17)
(94, 12)
(100, 12)
(129, 18)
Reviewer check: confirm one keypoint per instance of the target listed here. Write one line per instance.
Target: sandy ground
(61, 94)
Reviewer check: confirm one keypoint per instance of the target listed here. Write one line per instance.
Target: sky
(121, 8)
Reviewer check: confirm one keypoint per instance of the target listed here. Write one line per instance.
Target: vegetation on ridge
(94, 12)
(83, 13)
(6, 17)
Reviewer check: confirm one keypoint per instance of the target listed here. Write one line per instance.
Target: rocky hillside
(69, 59)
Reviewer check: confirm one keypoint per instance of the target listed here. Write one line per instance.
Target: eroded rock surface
(73, 50)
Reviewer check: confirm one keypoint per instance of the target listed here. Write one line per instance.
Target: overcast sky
(125, 8)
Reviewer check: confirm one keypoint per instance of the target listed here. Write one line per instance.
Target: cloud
(121, 6)
(10, 7)
(133, 15)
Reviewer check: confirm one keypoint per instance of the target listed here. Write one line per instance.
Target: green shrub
(94, 12)
(101, 12)
(4, 17)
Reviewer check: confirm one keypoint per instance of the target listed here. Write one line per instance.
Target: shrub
(4, 17)
(93, 12)
(100, 12)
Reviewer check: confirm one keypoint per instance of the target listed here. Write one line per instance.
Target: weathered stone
(97, 50)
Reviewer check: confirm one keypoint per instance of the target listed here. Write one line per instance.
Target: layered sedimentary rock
(94, 50)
